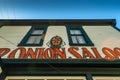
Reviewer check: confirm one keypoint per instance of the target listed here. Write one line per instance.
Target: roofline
(14, 22)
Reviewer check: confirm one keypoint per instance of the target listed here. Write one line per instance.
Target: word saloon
(60, 53)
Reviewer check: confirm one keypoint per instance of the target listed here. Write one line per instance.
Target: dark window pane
(55, 79)
(74, 79)
(37, 32)
(105, 79)
(16, 79)
(74, 39)
(34, 40)
(81, 40)
(35, 79)
(78, 39)
(75, 32)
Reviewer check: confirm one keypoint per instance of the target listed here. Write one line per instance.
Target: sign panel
(56, 50)
(60, 53)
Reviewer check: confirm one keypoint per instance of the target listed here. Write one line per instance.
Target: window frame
(29, 33)
(53, 77)
(83, 33)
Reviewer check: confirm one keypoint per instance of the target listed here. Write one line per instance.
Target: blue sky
(60, 9)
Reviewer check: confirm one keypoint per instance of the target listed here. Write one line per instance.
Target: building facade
(59, 49)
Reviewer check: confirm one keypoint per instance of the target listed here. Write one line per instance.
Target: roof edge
(14, 22)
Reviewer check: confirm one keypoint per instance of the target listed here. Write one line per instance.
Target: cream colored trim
(46, 77)
(0, 70)
(106, 78)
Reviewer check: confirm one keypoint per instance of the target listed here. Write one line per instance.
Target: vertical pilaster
(89, 76)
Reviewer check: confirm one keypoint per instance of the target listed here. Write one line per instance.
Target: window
(34, 37)
(16, 79)
(106, 77)
(77, 36)
(35, 79)
(45, 78)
